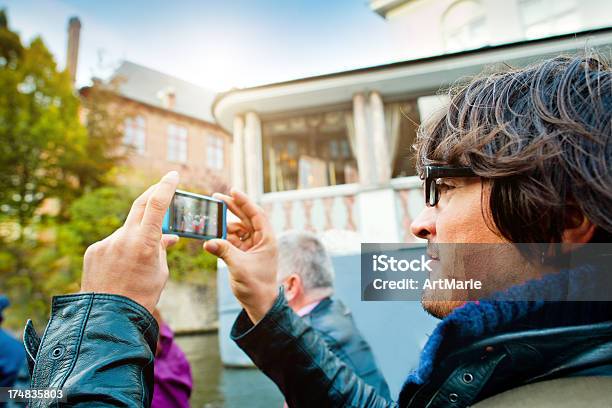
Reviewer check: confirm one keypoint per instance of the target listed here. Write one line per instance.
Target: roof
(147, 85)
(410, 76)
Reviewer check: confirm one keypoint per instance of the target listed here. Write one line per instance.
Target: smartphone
(195, 216)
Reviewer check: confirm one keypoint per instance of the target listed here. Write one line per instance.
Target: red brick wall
(195, 173)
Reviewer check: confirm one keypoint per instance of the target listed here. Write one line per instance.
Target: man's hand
(250, 254)
(132, 260)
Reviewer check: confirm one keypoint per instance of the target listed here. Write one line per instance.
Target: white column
(253, 155)
(379, 137)
(378, 216)
(364, 159)
(431, 105)
(238, 157)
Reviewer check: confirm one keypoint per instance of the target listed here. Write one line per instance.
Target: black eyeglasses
(433, 173)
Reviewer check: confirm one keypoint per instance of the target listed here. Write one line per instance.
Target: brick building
(169, 126)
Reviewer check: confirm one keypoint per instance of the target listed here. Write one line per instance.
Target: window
(307, 151)
(215, 152)
(543, 18)
(134, 133)
(177, 143)
(464, 26)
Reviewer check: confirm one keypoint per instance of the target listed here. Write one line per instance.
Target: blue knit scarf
(478, 319)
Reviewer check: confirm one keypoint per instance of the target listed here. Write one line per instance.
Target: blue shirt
(12, 358)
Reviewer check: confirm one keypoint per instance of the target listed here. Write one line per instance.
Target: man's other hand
(132, 261)
(250, 254)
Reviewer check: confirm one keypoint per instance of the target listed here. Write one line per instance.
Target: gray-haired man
(306, 273)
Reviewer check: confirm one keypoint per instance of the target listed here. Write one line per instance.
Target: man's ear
(578, 228)
(293, 287)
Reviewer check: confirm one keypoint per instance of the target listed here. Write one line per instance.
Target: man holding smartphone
(521, 156)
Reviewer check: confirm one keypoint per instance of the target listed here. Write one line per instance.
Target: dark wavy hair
(540, 137)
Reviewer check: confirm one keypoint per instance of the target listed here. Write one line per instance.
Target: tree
(40, 132)
(104, 123)
(47, 160)
(10, 44)
(58, 191)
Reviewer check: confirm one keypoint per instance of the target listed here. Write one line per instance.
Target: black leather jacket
(299, 362)
(99, 349)
(334, 323)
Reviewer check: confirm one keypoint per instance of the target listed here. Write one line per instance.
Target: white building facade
(433, 27)
(332, 154)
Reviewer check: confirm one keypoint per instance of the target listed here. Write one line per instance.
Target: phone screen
(195, 216)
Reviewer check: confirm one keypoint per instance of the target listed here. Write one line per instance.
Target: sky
(215, 44)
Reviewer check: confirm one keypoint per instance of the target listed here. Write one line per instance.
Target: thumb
(223, 249)
(168, 240)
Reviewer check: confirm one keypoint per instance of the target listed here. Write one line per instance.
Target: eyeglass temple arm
(439, 171)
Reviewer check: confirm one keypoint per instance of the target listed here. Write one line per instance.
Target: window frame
(215, 152)
(177, 143)
(550, 18)
(137, 138)
(451, 31)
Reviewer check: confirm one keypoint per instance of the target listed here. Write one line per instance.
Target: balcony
(346, 215)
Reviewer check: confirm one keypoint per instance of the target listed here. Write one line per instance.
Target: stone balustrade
(381, 214)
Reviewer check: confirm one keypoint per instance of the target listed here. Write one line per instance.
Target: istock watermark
(405, 272)
(471, 272)
(383, 263)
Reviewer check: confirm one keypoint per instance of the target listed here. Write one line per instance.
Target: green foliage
(57, 181)
(10, 44)
(96, 167)
(188, 262)
(97, 214)
(54, 266)
(40, 133)
(92, 217)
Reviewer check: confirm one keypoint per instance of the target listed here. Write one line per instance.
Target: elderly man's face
(459, 218)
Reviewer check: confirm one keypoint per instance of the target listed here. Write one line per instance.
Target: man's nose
(424, 225)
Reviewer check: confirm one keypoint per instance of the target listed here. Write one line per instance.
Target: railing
(409, 203)
(344, 207)
(316, 209)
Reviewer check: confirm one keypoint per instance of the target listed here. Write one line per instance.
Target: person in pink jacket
(172, 373)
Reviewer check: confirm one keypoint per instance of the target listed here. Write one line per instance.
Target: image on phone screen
(195, 216)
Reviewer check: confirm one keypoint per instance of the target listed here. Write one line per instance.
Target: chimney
(167, 97)
(171, 98)
(72, 56)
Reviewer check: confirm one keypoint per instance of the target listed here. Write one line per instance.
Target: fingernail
(212, 247)
(172, 176)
